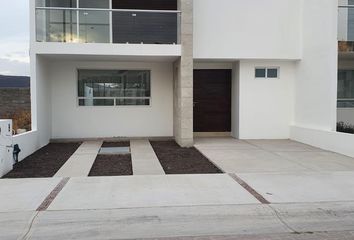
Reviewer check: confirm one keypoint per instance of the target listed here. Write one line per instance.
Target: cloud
(16, 57)
(8, 67)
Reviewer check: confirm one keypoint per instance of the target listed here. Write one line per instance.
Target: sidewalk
(178, 206)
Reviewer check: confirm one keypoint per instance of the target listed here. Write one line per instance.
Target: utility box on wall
(6, 149)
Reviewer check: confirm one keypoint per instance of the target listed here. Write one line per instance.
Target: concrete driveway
(303, 198)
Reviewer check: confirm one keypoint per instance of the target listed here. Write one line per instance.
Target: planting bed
(116, 144)
(112, 164)
(45, 162)
(177, 160)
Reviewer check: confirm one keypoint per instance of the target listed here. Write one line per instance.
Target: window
(345, 89)
(260, 72)
(114, 87)
(270, 72)
(56, 3)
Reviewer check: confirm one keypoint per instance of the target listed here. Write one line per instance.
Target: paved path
(144, 159)
(80, 163)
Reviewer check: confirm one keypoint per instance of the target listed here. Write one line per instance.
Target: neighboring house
(346, 62)
(262, 69)
(14, 95)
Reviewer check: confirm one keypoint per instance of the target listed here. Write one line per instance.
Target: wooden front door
(212, 100)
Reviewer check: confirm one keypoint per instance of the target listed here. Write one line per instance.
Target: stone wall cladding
(183, 79)
(14, 100)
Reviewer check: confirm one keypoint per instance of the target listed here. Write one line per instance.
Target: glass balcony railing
(107, 26)
(346, 28)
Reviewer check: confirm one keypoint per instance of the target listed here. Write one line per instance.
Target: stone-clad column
(183, 79)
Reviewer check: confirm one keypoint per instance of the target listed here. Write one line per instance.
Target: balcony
(115, 26)
(346, 28)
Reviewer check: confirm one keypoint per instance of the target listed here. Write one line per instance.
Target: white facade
(226, 34)
(68, 120)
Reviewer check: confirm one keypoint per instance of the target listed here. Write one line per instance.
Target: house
(185, 68)
(346, 61)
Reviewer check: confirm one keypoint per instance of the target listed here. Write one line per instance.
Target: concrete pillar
(183, 79)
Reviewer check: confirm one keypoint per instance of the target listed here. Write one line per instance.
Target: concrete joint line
(52, 195)
(283, 221)
(26, 234)
(249, 189)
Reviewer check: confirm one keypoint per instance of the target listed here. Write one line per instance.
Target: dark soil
(177, 160)
(116, 144)
(112, 165)
(45, 162)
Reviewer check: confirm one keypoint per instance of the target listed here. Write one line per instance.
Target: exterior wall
(14, 100)
(239, 29)
(71, 121)
(316, 74)
(265, 105)
(41, 99)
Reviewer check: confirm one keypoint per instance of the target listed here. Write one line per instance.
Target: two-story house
(260, 69)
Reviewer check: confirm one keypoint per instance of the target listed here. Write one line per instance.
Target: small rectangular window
(260, 72)
(265, 72)
(272, 73)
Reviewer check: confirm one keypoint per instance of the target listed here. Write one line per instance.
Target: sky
(14, 37)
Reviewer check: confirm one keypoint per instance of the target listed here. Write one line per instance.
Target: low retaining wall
(342, 143)
(28, 143)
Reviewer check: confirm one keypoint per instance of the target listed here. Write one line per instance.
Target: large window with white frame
(114, 87)
(346, 89)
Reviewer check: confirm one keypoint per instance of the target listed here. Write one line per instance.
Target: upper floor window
(267, 72)
(113, 87)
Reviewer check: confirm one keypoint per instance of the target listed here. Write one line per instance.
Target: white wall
(40, 99)
(239, 29)
(329, 140)
(71, 121)
(28, 143)
(316, 76)
(265, 105)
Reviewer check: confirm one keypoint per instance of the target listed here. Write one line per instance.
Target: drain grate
(114, 150)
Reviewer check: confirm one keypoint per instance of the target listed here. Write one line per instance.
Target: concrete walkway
(80, 163)
(272, 156)
(144, 159)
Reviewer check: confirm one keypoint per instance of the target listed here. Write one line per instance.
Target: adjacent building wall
(240, 29)
(71, 121)
(345, 114)
(265, 105)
